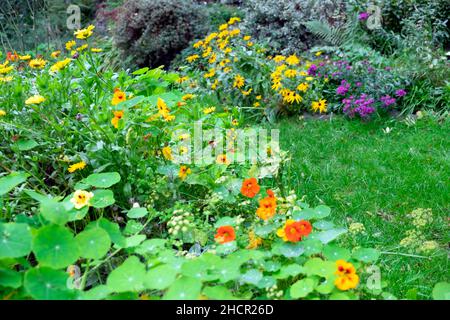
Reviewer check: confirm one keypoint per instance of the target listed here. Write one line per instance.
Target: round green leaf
(441, 291)
(184, 288)
(322, 211)
(252, 276)
(102, 198)
(218, 293)
(160, 277)
(317, 266)
(302, 288)
(10, 278)
(102, 180)
(128, 277)
(366, 255)
(93, 243)
(54, 211)
(136, 213)
(15, 240)
(48, 284)
(333, 253)
(312, 246)
(55, 246)
(328, 235)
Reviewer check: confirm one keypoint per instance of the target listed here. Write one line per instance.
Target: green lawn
(368, 176)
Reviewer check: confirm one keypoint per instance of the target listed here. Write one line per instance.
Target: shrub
(280, 22)
(155, 31)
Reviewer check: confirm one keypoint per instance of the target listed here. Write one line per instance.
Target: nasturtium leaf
(102, 180)
(133, 227)
(441, 291)
(10, 278)
(366, 254)
(322, 212)
(54, 211)
(327, 286)
(225, 221)
(151, 246)
(302, 288)
(388, 296)
(9, 182)
(15, 240)
(93, 243)
(102, 198)
(55, 247)
(271, 266)
(290, 270)
(252, 276)
(36, 195)
(265, 230)
(339, 296)
(160, 277)
(111, 228)
(328, 235)
(25, 145)
(266, 282)
(136, 213)
(97, 293)
(48, 284)
(319, 267)
(228, 271)
(226, 248)
(134, 241)
(312, 246)
(333, 253)
(129, 276)
(323, 225)
(218, 293)
(289, 250)
(184, 288)
(194, 268)
(305, 214)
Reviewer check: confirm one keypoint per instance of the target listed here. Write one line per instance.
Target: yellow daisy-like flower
(256, 104)
(2, 113)
(239, 81)
(211, 73)
(96, 50)
(290, 73)
(37, 63)
(70, 44)
(184, 172)
(55, 54)
(209, 110)
(188, 96)
(36, 99)
(6, 79)
(279, 58)
(318, 53)
(309, 78)
(182, 79)
(6, 70)
(247, 38)
(223, 27)
(233, 20)
(82, 48)
(192, 58)
(320, 105)
(303, 87)
(235, 122)
(81, 198)
(215, 84)
(198, 44)
(167, 153)
(292, 60)
(234, 32)
(77, 166)
(25, 57)
(246, 93)
(84, 33)
(60, 65)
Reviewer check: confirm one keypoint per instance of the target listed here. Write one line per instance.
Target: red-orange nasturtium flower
(225, 234)
(250, 187)
(294, 231)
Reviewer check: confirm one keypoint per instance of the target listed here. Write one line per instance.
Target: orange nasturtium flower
(119, 96)
(250, 187)
(117, 116)
(294, 231)
(184, 171)
(347, 277)
(225, 234)
(267, 206)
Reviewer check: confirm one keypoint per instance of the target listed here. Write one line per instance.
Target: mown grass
(368, 176)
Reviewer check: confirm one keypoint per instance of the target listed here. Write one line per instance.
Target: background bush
(280, 22)
(155, 31)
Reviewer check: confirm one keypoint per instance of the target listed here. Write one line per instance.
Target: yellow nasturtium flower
(81, 198)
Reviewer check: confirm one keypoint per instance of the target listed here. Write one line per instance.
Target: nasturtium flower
(118, 97)
(250, 187)
(347, 277)
(77, 166)
(36, 99)
(239, 81)
(184, 172)
(2, 113)
(294, 231)
(253, 241)
(320, 106)
(117, 116)
(37, 63)
(167, 153)
(84, 33)
(55, 54)
(267, 208)
(70, 44)
(225, 234)
(81, 198)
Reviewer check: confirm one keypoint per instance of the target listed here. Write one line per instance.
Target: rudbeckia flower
(37, 63)
(84, 33)
(77, 166)
(239, 81)
(320, 106)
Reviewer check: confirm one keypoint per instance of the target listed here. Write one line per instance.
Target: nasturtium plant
(15, 239)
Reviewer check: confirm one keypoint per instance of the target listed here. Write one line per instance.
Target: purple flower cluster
(312, 70)
(400, 93)
(343, 88)
(363, 16)
(363, 106)
(387, 100)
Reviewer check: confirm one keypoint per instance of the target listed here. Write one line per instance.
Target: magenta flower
(363, 16)
(400, 93)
